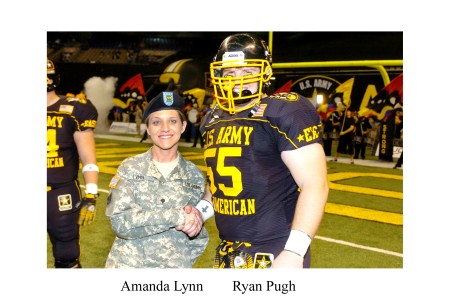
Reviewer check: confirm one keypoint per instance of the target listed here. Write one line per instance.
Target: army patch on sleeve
(290, 97)
(114, 181)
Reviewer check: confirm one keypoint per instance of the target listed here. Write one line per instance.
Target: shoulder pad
(80, 100)
(290, 97)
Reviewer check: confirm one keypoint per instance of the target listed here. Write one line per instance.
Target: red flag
(132, 90)
(133, 84)
(389, 98)
(396, 85)
(286, 88)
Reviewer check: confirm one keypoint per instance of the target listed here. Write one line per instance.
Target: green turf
(367, 233)
(96, 239)
(366, 201)
(375, 182)
(330, 255)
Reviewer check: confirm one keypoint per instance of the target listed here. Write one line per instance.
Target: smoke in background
(101, 92)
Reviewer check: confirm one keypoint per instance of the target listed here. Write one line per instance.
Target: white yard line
(358, 246)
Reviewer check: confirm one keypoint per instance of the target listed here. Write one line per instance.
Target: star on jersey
(262, 263)
(310, 133)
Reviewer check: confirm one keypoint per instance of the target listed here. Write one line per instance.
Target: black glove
(87, 213)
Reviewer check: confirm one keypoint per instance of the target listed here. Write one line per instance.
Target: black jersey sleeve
(84, 112)
(295, 118)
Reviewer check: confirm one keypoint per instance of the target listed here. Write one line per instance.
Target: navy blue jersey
(254, 194)
(64, 118)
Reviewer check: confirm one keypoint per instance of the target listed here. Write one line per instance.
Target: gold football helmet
(52, 76)
(237, 51)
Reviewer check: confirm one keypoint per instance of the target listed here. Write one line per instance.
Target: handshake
(195, 217)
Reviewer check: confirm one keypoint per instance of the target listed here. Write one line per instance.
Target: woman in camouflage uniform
(152, 199)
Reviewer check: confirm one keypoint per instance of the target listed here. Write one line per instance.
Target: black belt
(232, 254)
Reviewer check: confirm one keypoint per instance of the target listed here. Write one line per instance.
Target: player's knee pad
(75, 263)
(68, 228)
(66, 250)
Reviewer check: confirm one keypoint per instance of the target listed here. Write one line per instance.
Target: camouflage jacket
(144, 208)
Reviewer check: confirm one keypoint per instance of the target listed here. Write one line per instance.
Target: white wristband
(90, 167)
(91, 188)
(206, 209)
(298, 242)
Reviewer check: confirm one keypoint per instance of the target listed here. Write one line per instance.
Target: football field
(362, 226)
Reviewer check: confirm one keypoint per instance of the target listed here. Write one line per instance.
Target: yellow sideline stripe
(333, 177)
(359, 212)
(364, 213)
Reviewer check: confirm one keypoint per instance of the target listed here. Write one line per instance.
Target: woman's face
(165, 128)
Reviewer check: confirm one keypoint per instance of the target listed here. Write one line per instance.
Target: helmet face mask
(52, 76)
(240, 72)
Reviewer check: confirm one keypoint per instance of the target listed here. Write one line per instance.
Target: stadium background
(77, 56)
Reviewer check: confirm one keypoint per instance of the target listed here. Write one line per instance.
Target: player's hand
(288, 259)
(87, 212)
(194, 221)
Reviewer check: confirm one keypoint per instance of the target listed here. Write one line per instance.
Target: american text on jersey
(53, 160)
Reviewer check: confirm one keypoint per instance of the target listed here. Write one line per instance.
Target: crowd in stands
(139, 51)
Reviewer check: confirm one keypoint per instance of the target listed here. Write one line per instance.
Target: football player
(266, 167)
(70, 139)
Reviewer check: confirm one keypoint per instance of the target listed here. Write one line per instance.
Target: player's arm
(308, 167)
(86, 150)
(207, 196)
(205, 206)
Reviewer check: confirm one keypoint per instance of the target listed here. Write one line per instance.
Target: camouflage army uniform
(144, 208)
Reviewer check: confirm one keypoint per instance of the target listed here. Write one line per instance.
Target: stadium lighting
(319, 99)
